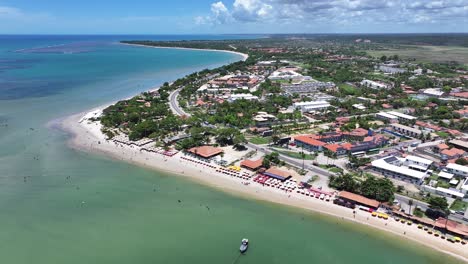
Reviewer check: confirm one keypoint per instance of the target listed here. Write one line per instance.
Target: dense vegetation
(380, 189)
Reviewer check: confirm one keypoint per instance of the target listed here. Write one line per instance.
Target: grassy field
(260, 140)
(348, 89)
(295, 155)
(459, 205)
(426, 53)
(443, 134)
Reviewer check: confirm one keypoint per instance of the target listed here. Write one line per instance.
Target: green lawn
(426, 53)
(260, 140)
(335, 169)
(295, 155)
(348, 89)
(459, 205)
(443, 134)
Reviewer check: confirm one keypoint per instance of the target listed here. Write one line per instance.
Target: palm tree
(410, 203)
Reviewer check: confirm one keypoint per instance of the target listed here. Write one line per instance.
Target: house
(276, 173)
(375, 85)
(311, 106)
(418, 163)
(359, 200)
(440, 147)
(433, 92)
(248, 97)
(401, 116)
(406, 130)
(252, 164)
(394, 167)
(452, 153)
(309, 143)
(387, 117)
(462, 144)
(357, 134)
(205, 152)
(336, 149)
(387, 106)
(457, 169)
(445, 176)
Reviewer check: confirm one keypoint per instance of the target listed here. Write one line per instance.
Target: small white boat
(244, 245)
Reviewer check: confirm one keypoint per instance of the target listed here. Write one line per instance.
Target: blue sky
(231, 16)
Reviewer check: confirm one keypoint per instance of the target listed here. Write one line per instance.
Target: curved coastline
(86, 136)
(243, 55)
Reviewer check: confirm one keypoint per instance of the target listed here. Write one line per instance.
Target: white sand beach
(87, 136)
(244, 56)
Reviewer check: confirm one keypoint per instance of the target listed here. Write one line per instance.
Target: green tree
(438, 203)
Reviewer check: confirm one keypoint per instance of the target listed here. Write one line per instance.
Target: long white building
(457, 169)
(402, 116)
(311, 106)
(374, 84)
(398, 168)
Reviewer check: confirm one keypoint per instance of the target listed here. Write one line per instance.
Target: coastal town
(377, 137)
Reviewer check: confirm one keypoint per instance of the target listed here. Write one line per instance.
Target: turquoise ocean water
(59, 205)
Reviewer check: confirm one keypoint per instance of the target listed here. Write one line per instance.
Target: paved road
(405, 200)
(292, 161)
(174, 104)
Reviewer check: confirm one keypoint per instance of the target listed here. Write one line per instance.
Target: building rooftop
(419, 160)
(382, 164)
(310, 141)
(457, 167)
(359, 199)
(252, 164)
(407, 128)
(445, 175)
(206, 151)
(401, 115)
(386, 115)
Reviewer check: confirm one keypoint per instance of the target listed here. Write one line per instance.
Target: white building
(406, 130)
(311, 106)
(445, 175)
(418, 163)
(359, 106)
(235, 97)
(394, 167)
(402, 116)
(374, 84)
(434, 92)
(386, 116)
(457, 169)
(284, 75)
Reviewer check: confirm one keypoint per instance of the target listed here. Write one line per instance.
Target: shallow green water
(59, 205)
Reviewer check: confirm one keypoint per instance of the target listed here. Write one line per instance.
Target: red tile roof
(252, 164)
(442, 146)
(206, 151)
(333, 147)
(310, 141)
(359, 199)
(278, 172)
(453, 152)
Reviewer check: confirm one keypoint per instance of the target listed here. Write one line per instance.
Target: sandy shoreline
(86, 136)
(244, 56)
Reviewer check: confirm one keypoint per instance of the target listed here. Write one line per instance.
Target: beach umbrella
(457, 239)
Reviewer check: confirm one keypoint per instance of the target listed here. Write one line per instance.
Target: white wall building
(386, 116)
(311, 106)
(402, 116)
(234, 97)
(374, 84)
(394, 167)
(457, 169)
